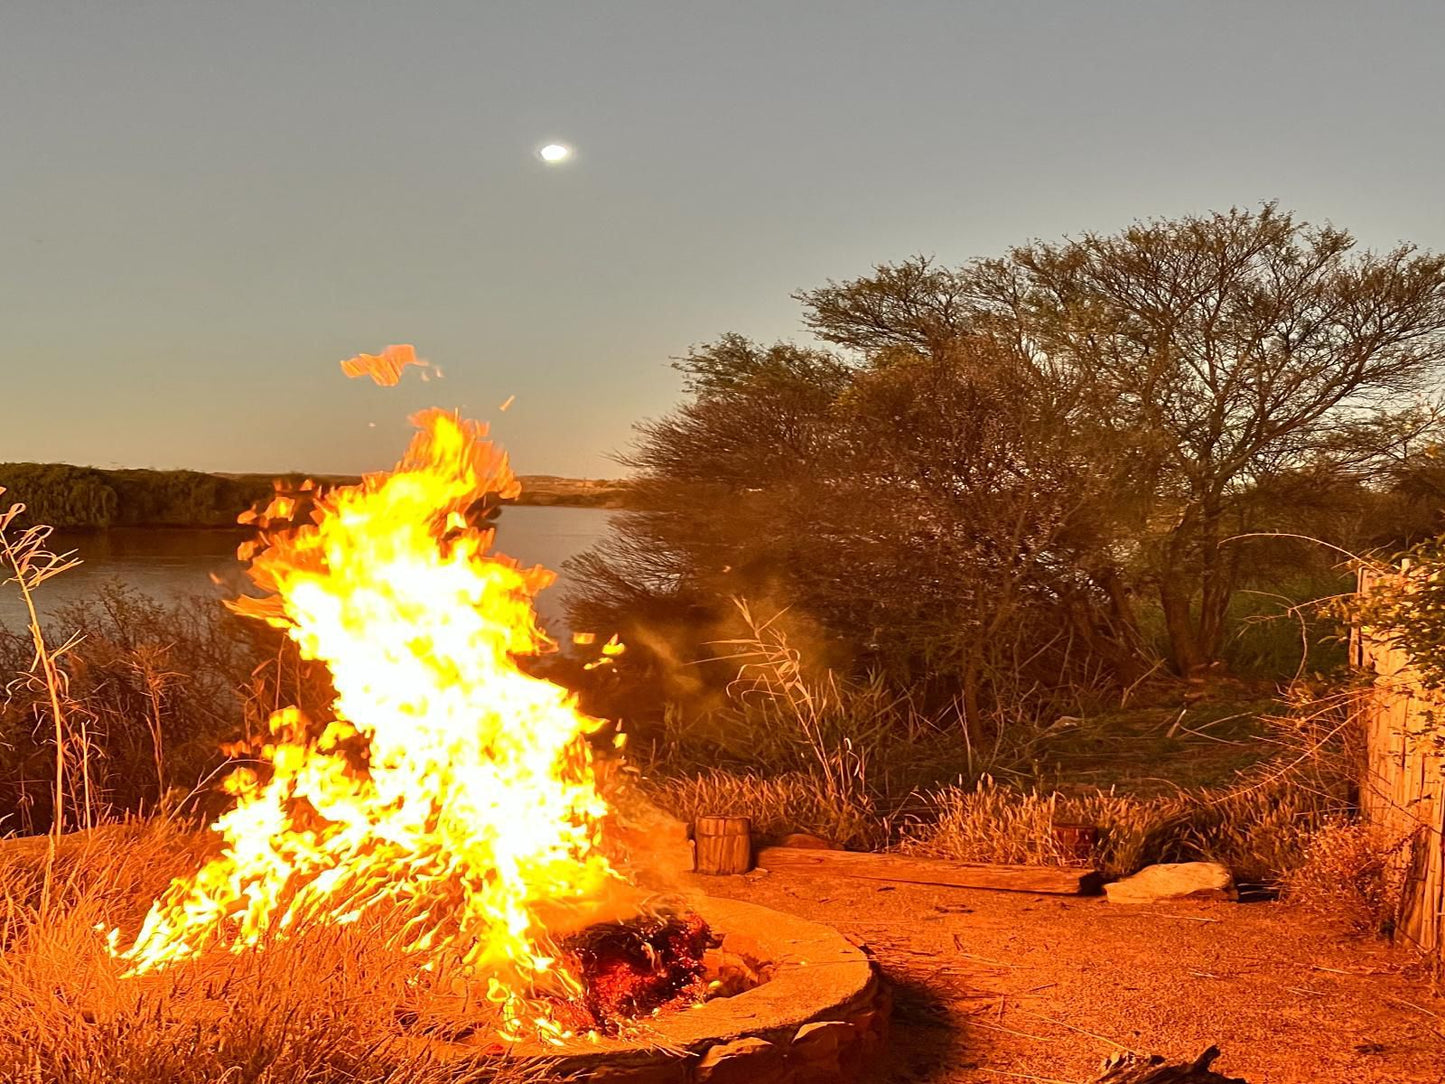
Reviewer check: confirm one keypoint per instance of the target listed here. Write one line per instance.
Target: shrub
(151, 691)
(1349, 873)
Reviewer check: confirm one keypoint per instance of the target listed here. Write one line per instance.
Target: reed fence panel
(1403, 790)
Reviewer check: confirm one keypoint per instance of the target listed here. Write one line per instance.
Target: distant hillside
(88, 497)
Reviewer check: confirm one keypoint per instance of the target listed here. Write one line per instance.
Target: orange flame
(447, 787)
(385, 368)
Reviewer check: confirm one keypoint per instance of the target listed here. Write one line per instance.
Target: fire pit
(445, 805)
(818, 1016)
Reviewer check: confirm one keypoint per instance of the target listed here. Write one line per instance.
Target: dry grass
(811, 752)
(27, 563)
(319, 1009)
(1349, 873)
(1259, 833)
(777, 805)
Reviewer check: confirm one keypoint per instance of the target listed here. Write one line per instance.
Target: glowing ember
(449, 797)
(632, 968)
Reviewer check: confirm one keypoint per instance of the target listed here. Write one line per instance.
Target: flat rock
(1173, 881)
(806, 841)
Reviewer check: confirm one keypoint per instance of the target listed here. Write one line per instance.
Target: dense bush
(1407, 606)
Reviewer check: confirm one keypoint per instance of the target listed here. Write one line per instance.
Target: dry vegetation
(1347, 875)
(106, 717)
(813, 752)
(320, 1008)
(1260, 831)
(126, 712)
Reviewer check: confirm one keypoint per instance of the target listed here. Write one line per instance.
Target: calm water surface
(174, 564)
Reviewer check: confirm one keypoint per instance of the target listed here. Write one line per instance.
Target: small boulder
(1173, 881)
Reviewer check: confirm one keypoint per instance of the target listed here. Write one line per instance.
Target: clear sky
(206, 204)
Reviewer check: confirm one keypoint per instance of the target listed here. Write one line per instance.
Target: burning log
(1137, 1069)
(630, 969)
(724, 845)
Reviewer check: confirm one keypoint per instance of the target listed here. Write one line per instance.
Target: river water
(171, 564)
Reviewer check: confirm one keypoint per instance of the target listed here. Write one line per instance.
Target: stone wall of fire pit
(820, 1017)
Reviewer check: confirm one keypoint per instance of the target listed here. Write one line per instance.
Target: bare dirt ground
(996, 987)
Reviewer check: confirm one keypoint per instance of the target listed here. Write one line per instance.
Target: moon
(553, 153)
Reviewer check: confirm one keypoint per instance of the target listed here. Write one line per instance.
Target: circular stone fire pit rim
(817, 975)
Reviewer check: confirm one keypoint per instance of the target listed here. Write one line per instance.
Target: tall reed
(30, 563)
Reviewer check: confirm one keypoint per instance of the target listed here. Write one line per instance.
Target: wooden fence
(1403, 790)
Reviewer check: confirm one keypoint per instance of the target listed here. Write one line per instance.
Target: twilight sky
(206, 204)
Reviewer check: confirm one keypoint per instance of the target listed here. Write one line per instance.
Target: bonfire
(446, 797)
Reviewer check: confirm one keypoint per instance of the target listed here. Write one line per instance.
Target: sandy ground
(996, 987)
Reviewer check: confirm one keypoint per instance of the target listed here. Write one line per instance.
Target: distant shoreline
(241, 531)
(68, 497)
(546, 490)
(538, 490)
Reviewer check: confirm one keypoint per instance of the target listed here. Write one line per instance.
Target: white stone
(1173, 881)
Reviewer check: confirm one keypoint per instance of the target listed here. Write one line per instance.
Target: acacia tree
(1219, 350)
(980, 558)
(928, 514)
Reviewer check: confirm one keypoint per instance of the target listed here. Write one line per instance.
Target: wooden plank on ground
(1049, 880)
